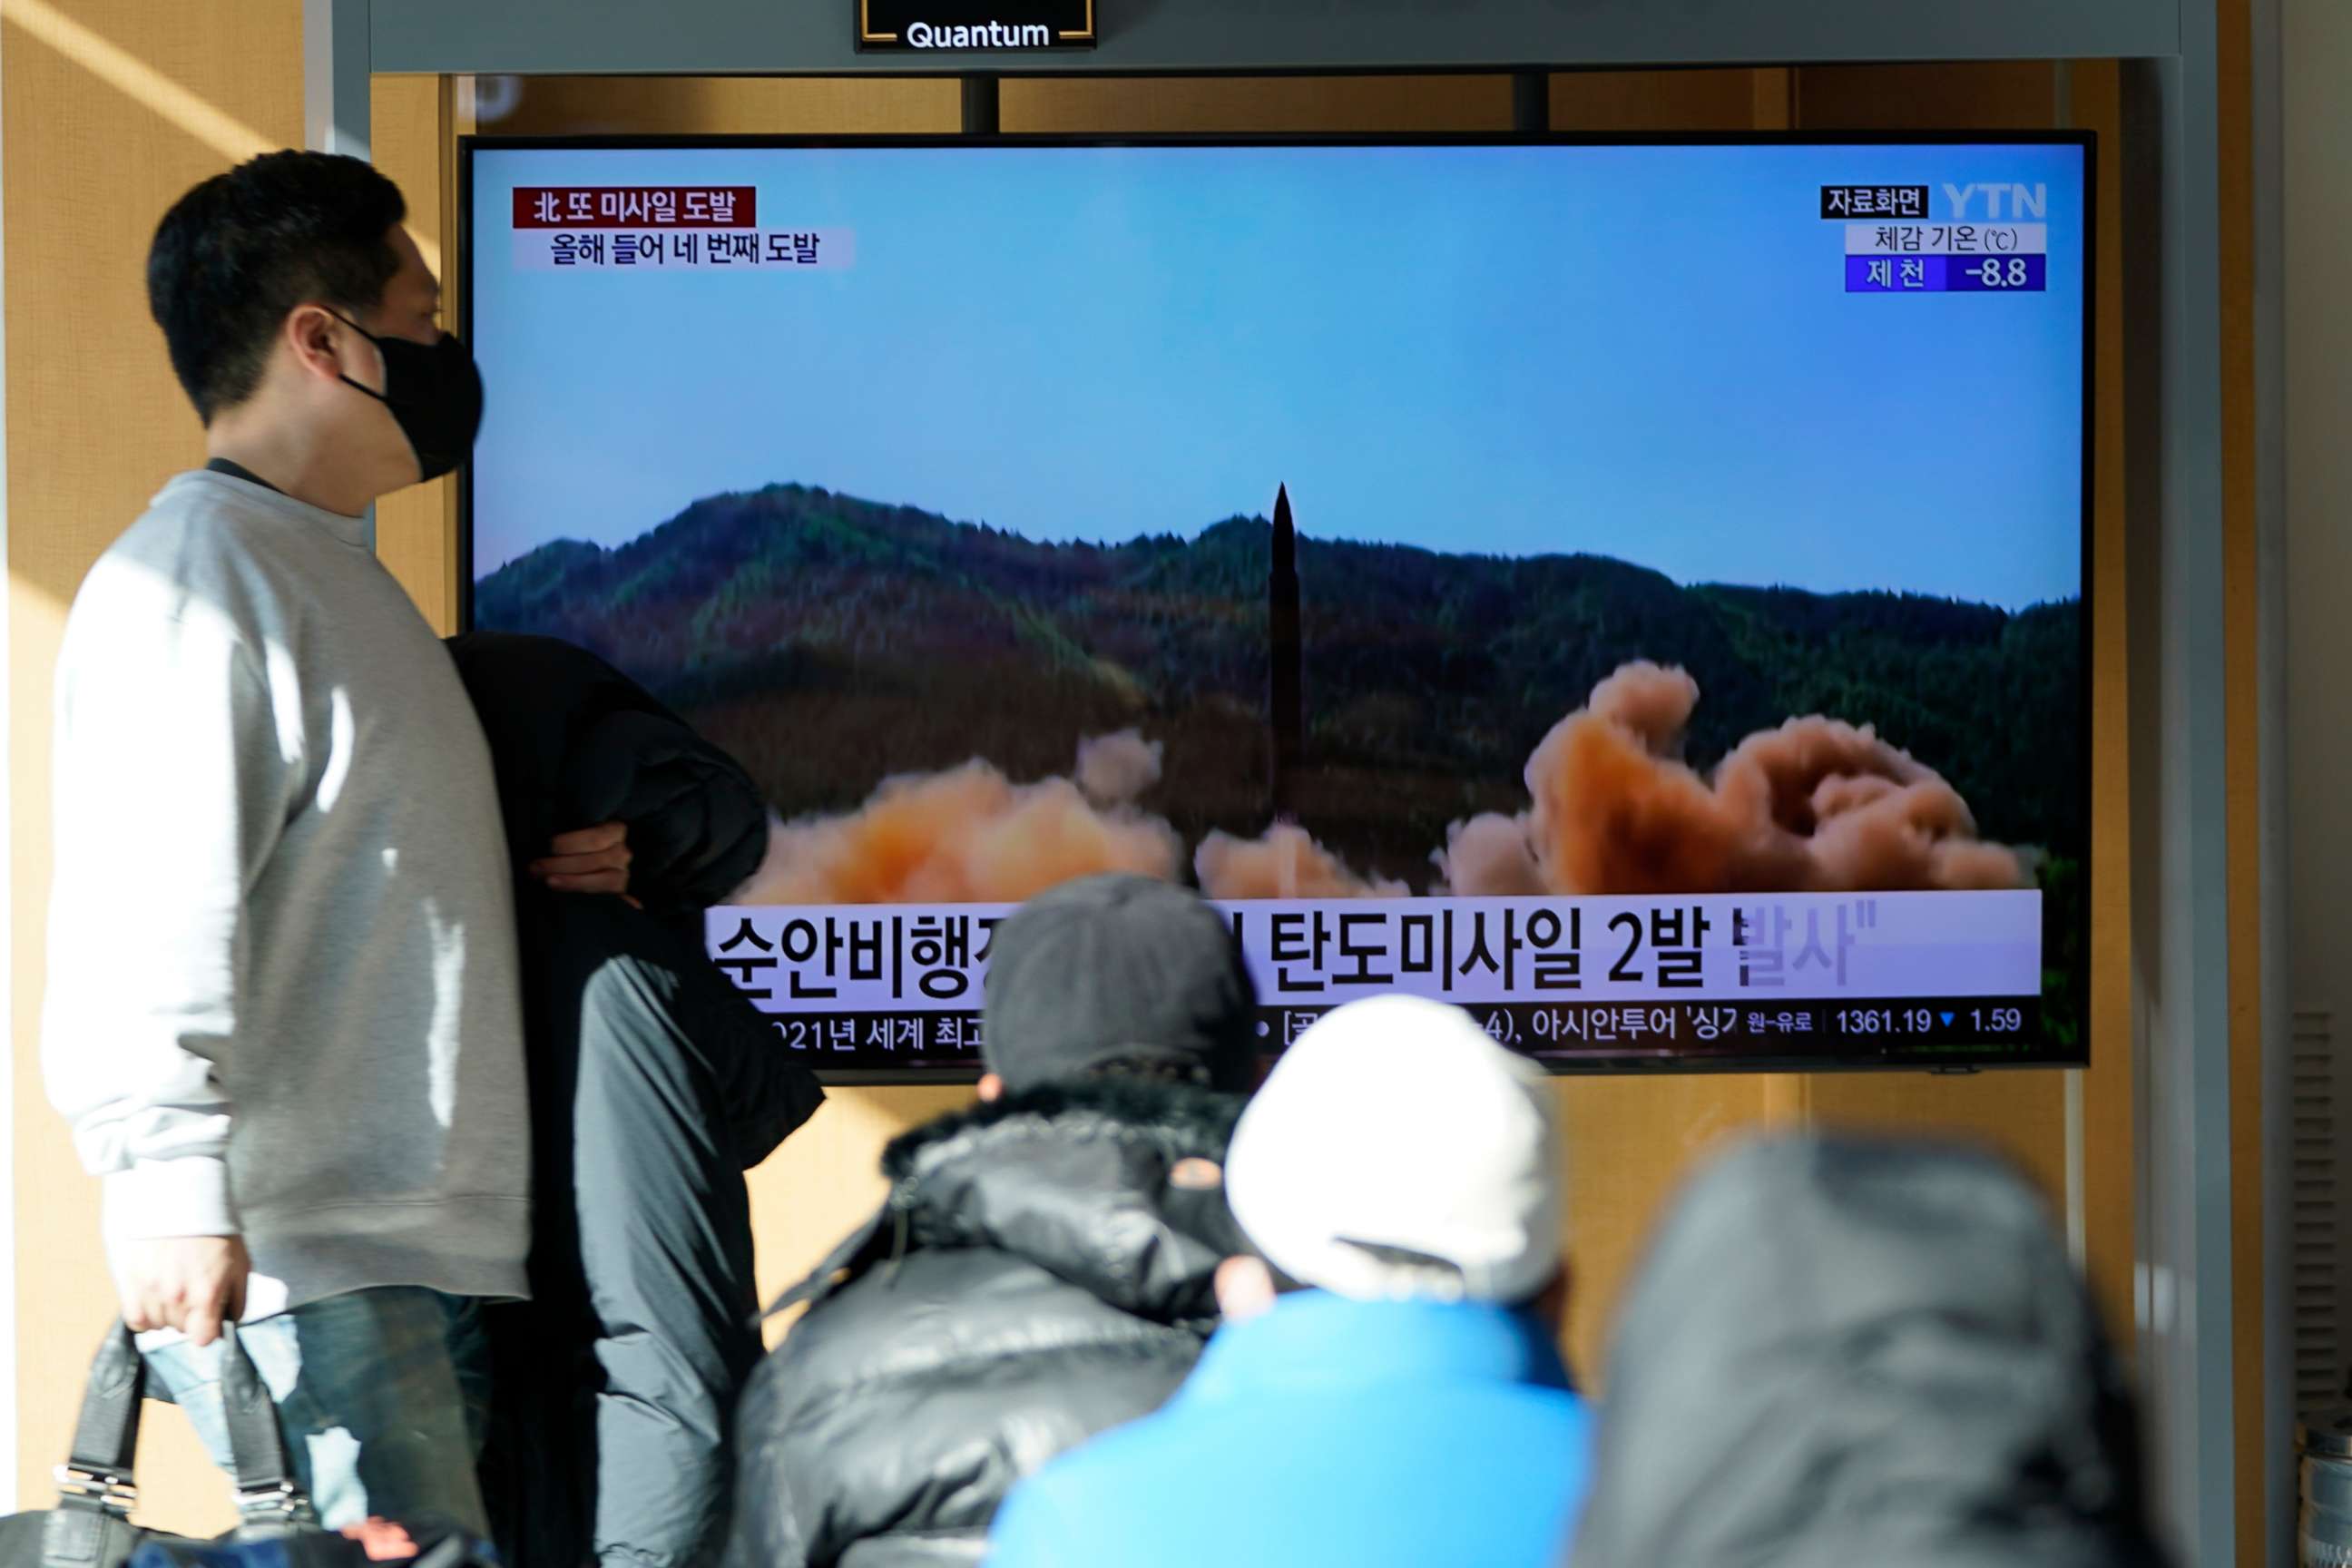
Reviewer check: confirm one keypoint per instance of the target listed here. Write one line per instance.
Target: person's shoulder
(891, 1321)
(194, 546)
(963, 1300)
(199, 507)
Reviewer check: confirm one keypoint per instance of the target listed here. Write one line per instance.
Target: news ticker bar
(1748, 951)
(1978, 1030)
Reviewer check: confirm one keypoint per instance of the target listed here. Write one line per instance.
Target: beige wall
(95, 424)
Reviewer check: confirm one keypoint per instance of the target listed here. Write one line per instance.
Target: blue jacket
(1364, 1433)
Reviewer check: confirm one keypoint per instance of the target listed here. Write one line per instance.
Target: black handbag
(91, 1527)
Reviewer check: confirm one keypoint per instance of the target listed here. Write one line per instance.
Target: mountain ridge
(802, 601)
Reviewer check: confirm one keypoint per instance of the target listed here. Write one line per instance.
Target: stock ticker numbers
(1562, 979)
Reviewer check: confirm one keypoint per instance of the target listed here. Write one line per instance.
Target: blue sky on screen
(1644, 352)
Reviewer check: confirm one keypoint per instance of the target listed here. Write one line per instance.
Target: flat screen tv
(1632, 589)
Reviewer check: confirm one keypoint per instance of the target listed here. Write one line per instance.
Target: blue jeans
(382, 1395)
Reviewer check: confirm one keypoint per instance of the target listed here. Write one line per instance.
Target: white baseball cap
(1396, 1151)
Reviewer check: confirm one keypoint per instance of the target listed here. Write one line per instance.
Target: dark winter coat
(1034, 1278)
(1842, 1353)
(653, 1085)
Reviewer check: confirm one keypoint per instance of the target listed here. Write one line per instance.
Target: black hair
(240, 252)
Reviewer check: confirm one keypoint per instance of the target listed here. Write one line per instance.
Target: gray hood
(1842, 1353)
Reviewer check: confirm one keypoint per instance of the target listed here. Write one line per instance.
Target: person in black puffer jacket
(654, 1085)
(1044, 1267)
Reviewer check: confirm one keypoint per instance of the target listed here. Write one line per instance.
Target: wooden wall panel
(1629, 1144)
(114, 109)
(1265, 105)
(2019, 1114)
(684, 106)
(2109, 1189)
(2242, 786)
(1661, 101)
(415, 530)
(827, 1178)
(1996, 95)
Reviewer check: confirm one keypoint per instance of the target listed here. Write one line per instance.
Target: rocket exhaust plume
(970, 835)
(1816, 805)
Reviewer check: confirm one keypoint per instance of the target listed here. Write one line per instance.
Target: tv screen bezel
(2086, 142)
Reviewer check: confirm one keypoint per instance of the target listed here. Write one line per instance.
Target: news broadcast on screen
(1633, 590)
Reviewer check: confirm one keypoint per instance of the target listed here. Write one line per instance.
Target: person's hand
(192, 1283)
(382, 1541)
(591, 860)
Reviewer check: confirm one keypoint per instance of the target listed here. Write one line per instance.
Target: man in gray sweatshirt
(281, 1010)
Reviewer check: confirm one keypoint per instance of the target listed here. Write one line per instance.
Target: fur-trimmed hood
(1075, 1177)
(1189, 1123)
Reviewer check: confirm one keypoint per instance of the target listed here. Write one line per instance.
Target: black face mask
(435, 393)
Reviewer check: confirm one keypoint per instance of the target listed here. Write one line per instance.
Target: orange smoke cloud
(1284, 862)
(970, 835)
(1816, 805)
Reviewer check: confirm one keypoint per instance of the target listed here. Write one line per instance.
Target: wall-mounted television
(1635, 589)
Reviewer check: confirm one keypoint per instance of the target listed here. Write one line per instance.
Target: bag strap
(823, 1279)
(97, 1475)
(266, 1488)
(458, 1549)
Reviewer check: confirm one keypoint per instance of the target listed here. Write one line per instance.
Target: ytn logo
(2024, 201)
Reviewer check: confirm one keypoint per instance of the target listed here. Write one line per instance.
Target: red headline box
(637, 206)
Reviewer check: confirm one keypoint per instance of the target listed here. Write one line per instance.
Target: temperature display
(1946, 274)
(2006, 274)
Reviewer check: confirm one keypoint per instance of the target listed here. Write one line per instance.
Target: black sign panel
(1873, 200)
(990, 27)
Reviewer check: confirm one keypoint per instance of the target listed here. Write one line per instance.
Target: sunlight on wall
(232, 138)
(135, 79)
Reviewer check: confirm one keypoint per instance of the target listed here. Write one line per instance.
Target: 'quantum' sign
(961, 27)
